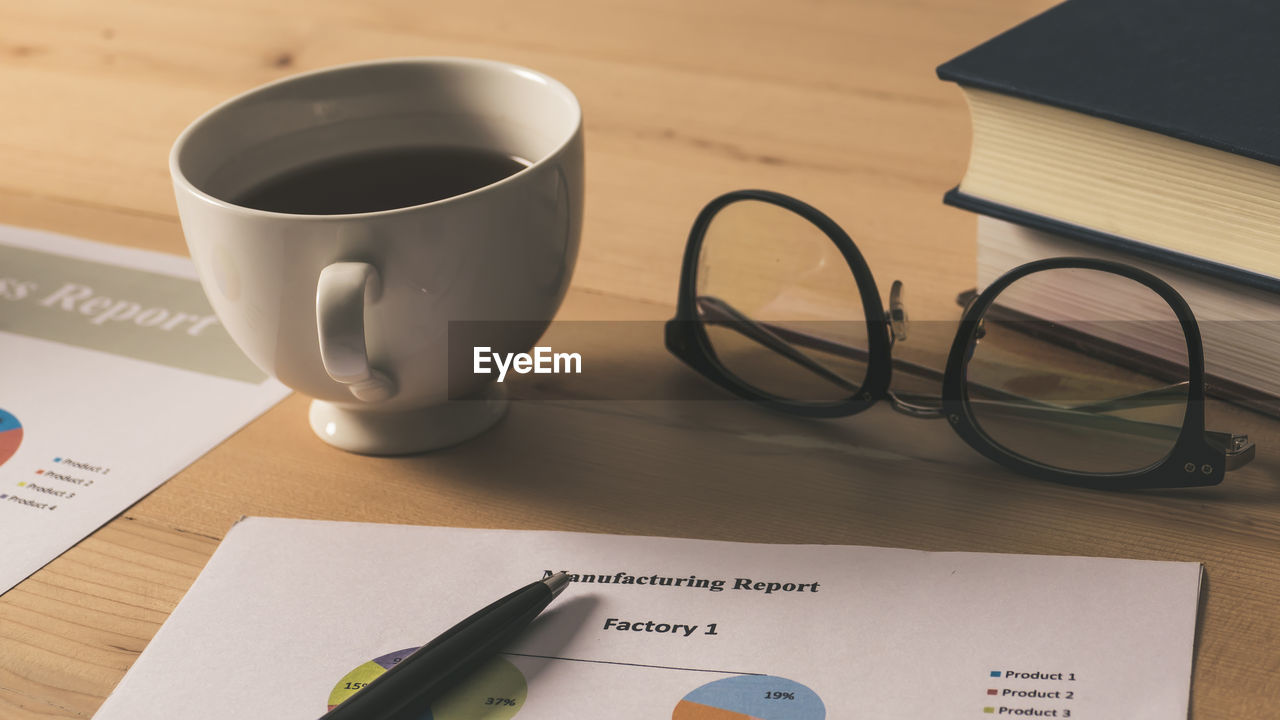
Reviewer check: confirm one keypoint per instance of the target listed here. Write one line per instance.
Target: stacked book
(1148, 132)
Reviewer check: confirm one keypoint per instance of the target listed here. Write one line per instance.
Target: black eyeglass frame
(1196, 459)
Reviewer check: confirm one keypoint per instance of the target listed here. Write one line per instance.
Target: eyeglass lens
(779, 304)
(1080, 370)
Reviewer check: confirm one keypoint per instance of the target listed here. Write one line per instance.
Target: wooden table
(834, 102)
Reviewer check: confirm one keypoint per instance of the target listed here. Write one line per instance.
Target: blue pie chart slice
(751, 697)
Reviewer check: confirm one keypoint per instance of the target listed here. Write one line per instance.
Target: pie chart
(10, 435)
(751, 697)
(496, 691)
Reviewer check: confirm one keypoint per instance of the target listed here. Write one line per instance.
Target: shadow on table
(636, 409)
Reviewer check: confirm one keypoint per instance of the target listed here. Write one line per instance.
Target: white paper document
(114, 375)
(292, 616)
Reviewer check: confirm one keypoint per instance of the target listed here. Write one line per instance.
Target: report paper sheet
(114, 375)
(292, 616)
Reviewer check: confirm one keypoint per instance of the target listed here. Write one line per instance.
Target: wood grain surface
(834, 101)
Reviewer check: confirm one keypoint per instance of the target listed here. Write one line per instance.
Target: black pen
(406, 691)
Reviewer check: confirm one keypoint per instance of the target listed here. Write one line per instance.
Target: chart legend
(1034, 692)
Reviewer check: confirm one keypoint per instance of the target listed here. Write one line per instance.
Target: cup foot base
(410, 431)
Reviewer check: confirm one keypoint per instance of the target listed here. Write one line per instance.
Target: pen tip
(557, 583)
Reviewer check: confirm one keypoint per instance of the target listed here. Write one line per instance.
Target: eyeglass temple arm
(765, 335)
(781, 339)
(1236, 448)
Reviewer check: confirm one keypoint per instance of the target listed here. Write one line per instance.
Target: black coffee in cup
(380, 180)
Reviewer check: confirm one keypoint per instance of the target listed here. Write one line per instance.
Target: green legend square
(988, 709)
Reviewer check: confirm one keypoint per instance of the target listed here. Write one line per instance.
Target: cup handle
(342, 292)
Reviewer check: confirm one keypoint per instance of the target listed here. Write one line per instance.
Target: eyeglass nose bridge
(896, 315)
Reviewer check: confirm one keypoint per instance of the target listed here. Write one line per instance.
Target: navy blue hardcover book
(1204, 71)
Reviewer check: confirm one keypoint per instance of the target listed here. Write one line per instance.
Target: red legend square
(991, 691)
(39, 472)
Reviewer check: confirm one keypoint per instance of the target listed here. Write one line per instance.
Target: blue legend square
(2, 496)
(57, 460)
(995, 673)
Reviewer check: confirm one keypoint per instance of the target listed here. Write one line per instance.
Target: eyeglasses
(1074, 370)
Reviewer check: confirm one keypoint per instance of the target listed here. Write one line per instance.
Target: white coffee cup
(353, 310)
